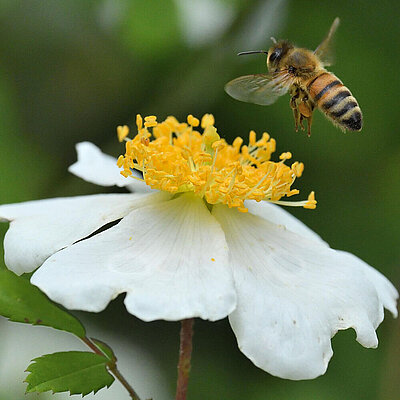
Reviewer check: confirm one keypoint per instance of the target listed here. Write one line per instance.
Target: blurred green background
(74, 70)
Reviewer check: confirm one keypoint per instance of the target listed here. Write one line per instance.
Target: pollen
(192, 157)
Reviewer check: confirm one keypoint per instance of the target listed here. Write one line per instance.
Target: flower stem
(113, 368)
(124, 383)
(185, 354)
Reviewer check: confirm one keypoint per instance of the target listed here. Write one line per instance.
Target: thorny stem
(185, 353)
(113, 368)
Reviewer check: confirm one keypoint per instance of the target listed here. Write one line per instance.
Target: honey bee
(301, 72)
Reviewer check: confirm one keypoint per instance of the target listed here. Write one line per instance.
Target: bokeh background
(74, 70)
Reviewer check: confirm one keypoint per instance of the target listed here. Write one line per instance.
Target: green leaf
(22, 302)
(77, 372)
(105, 349)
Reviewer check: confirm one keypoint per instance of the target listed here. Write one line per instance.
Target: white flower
(176, 256)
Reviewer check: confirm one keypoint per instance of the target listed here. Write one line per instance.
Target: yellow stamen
(298, 168)
(122, 132)
(208, 119)
(120, 161)
(150, 121)
(210, 135)
(174, 157)
(192, 120)
(139, 122)
(311, 202)
(252, 138)
(286, 156)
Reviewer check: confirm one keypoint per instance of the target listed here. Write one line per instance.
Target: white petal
(170, 258)
(40, 228)
(279, 216)
(138, 186)
(294, 294)
(96, 167)
(386, 291)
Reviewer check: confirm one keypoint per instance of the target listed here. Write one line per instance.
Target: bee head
(276, 53)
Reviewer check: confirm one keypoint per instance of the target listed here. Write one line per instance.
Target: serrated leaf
(105, 349)
(20, 301)
(77, 372)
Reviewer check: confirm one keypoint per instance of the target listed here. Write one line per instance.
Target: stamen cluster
(176, 157)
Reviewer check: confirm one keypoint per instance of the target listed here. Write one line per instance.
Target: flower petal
(279, 216)
(294, 294)
(96, 167)
(170, 258)
(386, 291)
(40, 228)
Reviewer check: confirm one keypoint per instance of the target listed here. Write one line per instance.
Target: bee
(301, 72)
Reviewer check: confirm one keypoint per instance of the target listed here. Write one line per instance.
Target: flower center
(176, 157)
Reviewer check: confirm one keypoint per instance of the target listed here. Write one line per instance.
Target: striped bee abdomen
(335, 101)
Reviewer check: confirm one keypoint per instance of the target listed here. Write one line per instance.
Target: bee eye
(275, 54)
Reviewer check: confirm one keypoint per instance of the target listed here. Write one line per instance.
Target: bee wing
(263, 89)
(325, 50)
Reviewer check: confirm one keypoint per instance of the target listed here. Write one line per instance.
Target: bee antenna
(252, 52)
(273, 39)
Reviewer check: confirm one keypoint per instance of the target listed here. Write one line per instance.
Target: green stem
(113, 368)
(185, 354)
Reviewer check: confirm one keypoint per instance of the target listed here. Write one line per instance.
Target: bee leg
(309, 122)
(296, 116)
(306, 109)
(301, 121)
(294, 106)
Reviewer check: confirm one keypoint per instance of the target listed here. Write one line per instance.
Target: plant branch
(112, 366)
